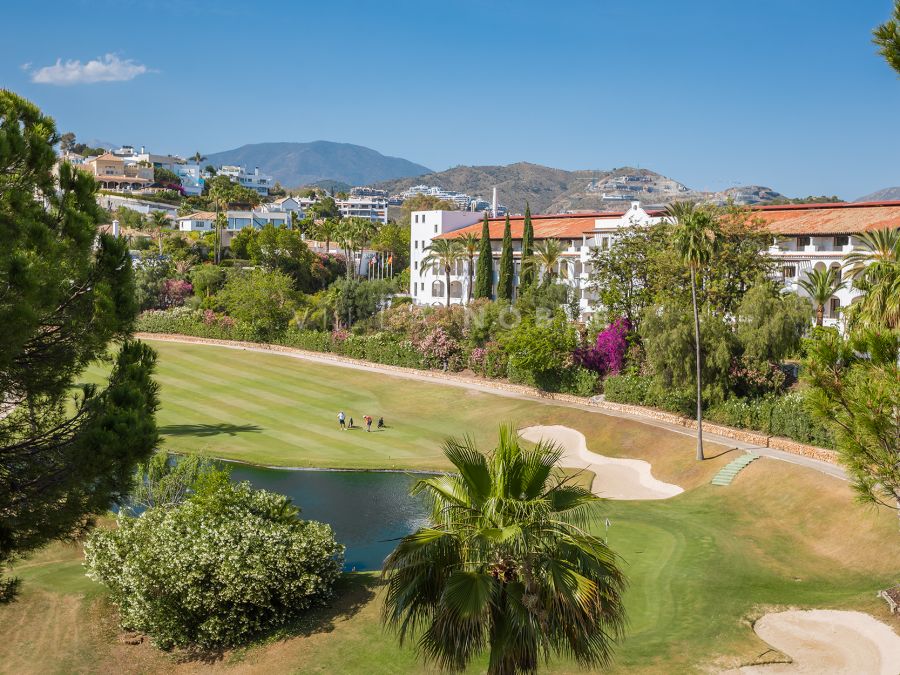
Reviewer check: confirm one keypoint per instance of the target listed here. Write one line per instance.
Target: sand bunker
(828, 641)
(615, 478)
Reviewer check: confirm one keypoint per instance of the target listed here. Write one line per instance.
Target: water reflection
(368, 510)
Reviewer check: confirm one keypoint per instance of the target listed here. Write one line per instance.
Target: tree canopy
(506, 566)
(68, 295)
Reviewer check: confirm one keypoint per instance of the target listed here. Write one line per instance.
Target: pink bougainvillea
(607, 356)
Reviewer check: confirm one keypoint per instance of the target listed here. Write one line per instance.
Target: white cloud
(108, 68)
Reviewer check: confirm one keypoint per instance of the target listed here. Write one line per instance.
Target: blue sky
(784, 93)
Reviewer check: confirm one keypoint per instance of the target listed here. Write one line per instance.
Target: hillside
(294, 164)
(885, 195)
(550, 190)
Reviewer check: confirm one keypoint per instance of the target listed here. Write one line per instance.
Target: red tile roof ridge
(823, 205)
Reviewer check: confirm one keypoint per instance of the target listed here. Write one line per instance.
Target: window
(604, 243)
(841, 240)
(417, 243)
(437, 288)
(416, 218)
(423, 286)
(416, 265)
(802, 241)
(835, 307)
(435, 228)
(456, 289)
(788, 272)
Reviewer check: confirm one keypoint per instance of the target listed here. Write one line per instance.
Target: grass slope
(702, 565)
(271, 409)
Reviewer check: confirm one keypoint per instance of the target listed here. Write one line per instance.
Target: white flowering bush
(225, 565)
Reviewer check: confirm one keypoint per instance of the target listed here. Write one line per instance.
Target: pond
(369, 510)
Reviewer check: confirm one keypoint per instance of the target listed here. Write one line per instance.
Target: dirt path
(614, 478)
(828, 641)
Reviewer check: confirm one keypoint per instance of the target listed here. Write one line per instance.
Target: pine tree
(68, 295)
(485, 271)
(505, 278)
(526, 276)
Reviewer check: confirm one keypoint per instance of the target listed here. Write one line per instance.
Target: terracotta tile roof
(108, 156)
(199, 215)
(827, 219)
(559, 226)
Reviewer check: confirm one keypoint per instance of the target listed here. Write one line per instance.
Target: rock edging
(599, 402)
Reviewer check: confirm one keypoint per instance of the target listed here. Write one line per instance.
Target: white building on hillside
(260, 182)
(804, 236)
(374, 208)
(235, 221)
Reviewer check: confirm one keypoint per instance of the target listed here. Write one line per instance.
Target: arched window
(455, 289)
(837, 270)
(437, 289)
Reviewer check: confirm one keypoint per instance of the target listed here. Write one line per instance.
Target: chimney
(142, 149)
(494, 204)
(115, 228)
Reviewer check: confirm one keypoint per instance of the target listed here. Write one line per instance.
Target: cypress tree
(505, 279)
(526, 276)
(484, 273)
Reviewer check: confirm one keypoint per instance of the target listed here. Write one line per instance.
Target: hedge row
(381, 348)
(774, 415)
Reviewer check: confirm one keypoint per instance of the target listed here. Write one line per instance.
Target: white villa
(204, 221)
(261, 182)
(804, 236)
(370, 207)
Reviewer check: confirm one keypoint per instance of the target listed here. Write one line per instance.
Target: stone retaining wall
(743, 435)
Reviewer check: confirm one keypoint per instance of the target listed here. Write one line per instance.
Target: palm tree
(444, 253)
(354, 233)
(470, 243)
(874, 268)
(159, 220)
(507, 565)
(197, 157)
(820, 285)
(324, 230)
(547, 257)
(695, 241)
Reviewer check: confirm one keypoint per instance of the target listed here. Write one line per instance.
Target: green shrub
(216, 570)
(581, 382)
(627, 388)
(774, 415)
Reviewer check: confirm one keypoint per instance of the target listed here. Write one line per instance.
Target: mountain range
(549, 190)
(885, 195)
(296, 164)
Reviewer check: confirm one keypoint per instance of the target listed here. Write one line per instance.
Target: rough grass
(702, 565)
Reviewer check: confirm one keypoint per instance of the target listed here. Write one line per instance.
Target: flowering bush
(476, 359)
(174, 292)
(607, 356)
(219, 568)
(438, 347)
